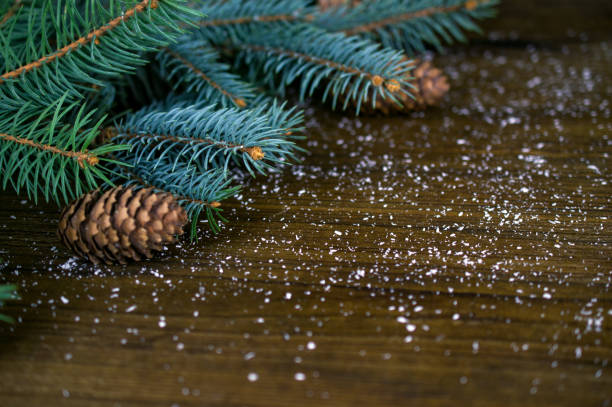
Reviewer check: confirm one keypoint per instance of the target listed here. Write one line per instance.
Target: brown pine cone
(431, 83)
(429, 87)
(121, 224)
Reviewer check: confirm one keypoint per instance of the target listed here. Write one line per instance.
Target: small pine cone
(121, 224)
(431, 83)
(430, 86)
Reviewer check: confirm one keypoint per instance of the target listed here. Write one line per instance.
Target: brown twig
(81, 157)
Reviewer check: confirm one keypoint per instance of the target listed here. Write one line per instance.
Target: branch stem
(255, 152)
(81, 157)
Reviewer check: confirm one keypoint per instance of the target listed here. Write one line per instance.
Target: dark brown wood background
(460, 256)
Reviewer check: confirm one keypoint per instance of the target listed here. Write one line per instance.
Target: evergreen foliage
(75, 47)
(168, 93)
(46, 156)
(7, 292)
(231, 19)
(410, 25)
(208, 137)
(197, 191)
(195, 66)
(344, 66)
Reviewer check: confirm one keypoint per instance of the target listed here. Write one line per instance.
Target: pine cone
(121, 224)
(431, 83)
(430, 86)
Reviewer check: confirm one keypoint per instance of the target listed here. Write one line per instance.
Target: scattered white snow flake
(578, 352)
(70, 264)
(594, 168)
(253, 377)
(535, 81)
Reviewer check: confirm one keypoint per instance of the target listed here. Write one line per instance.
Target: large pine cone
(121, 224)
(430, 85)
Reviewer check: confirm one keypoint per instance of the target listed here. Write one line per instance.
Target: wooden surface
(456, 257)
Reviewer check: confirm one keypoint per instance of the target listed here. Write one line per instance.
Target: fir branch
(377, 80)
(48, 102)
(238, 101)
(94, 35)
(408, 25)
(210, 137)
(352, 68)
(43, 156)
(255, 152)
(107, 49)
(196, 64)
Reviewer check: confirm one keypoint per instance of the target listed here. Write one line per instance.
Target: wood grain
(460, 256)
